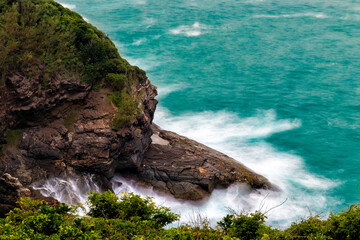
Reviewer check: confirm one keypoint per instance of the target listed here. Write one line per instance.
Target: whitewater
(273, 84)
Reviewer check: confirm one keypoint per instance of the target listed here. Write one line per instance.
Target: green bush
(35, 219)
(133, 217)
(103, 205)
(128, 108)
(117, 81)
(310, 227)
(129, 207)
(42, 40)
(244, 226)
(345, 225)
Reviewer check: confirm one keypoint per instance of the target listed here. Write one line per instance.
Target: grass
(12, 137)
(69, 121)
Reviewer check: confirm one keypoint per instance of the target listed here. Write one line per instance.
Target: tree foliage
(42, 41)
(134, 217)
(129, 207)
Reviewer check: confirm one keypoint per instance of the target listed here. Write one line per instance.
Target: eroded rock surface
(191, 170)
(67, 130)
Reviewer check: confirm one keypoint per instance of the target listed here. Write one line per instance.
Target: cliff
(70, 104)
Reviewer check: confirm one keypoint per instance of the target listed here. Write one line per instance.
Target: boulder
(190, 170)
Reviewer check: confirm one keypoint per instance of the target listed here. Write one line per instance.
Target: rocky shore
(61, 124)
(190, 170)
(72, 134)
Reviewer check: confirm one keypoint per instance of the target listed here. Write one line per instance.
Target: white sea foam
(209, 126)
(135, 2)
(69, 6)
(148, 22)
(190, 31)
(69, 190)
(139, 2)
(163, 91)
(139, 42)
(255, 1)
(244, 140)
(294, 15)
(147, 63)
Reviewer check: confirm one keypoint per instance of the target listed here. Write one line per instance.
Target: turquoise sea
(273, 83)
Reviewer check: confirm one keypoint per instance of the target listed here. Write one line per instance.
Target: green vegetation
(41, 40)
(133, 217)
(12, 137)
(128, 108)
(129, 207)
(244, 226)
(69, 121)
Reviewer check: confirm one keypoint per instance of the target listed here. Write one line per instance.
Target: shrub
(128, 108)
(345, 225)
(36, 218)
(103, 205)
(310, 227)
(133, 217)
(129, 207)
(42, 40)
(117, 81)
(244, 226)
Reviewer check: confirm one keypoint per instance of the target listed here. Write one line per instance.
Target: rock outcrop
(190, 170)
(67, 129)
(11, 190)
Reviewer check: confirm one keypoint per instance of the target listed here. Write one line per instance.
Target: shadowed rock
(191, 170)
(70, 134)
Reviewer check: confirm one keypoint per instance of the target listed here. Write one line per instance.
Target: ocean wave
(244, 139)
(139, 2)
(294, 15)
(190, 31)
(211, 125)
(148, 22)
(163, 91)
(139, 42)
(135, 2)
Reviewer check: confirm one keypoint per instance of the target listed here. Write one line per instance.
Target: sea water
(272, 83)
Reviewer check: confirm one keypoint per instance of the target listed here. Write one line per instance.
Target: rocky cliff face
(66, 129)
